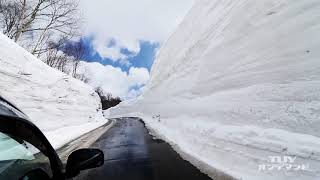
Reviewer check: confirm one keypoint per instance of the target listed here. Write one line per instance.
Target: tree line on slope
(107, 100)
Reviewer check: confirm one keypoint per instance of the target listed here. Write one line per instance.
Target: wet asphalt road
(132, 154)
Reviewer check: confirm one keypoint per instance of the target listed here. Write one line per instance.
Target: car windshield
(18, 157)
(11, 149)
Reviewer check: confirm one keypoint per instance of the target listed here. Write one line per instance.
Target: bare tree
(100, 92)
(83, 77)
(107, 100)
(10, 13)
(66, 56)
(78, 51)
(55, 58)
(40, 20)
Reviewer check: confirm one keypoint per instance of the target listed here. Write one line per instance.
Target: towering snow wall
(62, 107)
(238, 82)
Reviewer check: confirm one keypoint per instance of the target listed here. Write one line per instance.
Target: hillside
(61, 106)
(238, 82)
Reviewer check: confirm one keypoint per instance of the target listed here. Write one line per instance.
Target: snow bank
(239, 81)
(61, 106)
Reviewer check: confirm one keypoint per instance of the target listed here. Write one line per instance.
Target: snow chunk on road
(61, 106)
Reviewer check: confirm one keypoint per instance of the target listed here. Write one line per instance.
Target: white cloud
(133, 93)
(107, 52)
(138, 75)
(114, 80)
(128, 21)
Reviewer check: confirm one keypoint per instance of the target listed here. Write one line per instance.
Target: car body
(26, 154)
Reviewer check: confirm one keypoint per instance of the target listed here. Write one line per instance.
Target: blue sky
(125, 77)
(143, 59)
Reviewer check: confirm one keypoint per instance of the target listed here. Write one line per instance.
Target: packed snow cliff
(61, 106)
(237, 84)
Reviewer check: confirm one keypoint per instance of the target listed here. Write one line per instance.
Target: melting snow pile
(61, 106)
(237, 85)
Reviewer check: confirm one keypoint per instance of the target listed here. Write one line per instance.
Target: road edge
(205, 168)
(84, 141)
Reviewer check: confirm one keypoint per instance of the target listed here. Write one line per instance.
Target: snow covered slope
(238, 82)
(63, 107)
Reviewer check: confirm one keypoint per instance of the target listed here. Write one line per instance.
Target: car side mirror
(83, 159)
